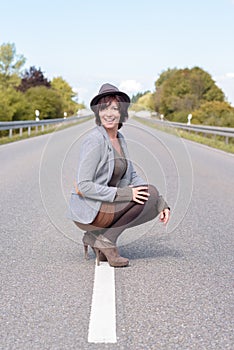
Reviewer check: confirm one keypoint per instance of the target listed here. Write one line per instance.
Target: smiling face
(110, 115)
(111, 106)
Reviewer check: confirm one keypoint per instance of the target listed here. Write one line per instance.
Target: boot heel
(109, 250)
(97, 255)
(86, 251)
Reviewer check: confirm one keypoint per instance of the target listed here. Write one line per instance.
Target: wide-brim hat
(107, 90)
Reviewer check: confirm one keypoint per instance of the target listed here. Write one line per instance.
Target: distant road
(177, 292)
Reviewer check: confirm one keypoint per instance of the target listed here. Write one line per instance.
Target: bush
(47, 101)
(214, 113)
(181, 91)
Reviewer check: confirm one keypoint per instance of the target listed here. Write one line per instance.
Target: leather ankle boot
(110, 251)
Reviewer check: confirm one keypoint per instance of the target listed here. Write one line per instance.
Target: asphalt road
(177, 292)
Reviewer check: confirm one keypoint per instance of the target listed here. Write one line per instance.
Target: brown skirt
(103, 219)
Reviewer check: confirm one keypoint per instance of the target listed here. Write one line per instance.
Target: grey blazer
(95, 169)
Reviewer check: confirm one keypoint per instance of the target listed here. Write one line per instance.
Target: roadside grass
(211, 140)
(48, 129)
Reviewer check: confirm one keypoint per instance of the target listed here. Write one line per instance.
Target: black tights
(127, 215)
(132, 214)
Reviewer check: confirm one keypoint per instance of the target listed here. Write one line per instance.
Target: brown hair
(105, 102)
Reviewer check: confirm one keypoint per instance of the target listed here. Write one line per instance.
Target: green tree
(47, 101)
(136, 97)
(66, 94)
(145, 102)
(214, 113)
(6, 108)
(20, 97)
(13, 105)
(165, 75)
(180, 91)
(10, 65)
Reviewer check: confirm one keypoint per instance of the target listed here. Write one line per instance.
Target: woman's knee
(153, 192)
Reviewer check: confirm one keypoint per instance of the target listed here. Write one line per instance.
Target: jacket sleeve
(90, 159)
(123, 194)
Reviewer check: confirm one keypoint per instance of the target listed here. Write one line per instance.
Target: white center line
(102, 324)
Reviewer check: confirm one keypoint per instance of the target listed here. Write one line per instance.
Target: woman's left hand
(164, 216)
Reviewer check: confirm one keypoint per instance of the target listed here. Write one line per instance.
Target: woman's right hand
(140, 194)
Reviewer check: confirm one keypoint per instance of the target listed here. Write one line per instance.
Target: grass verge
(51, 128)
(216, 142)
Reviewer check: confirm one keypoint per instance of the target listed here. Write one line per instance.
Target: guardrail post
(42, 127)
(226, 140)
(29, 130)
(21, 132)
(10, 132)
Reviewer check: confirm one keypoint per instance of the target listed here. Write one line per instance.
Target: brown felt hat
(106, 90)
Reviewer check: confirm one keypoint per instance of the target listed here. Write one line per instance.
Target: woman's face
(110, 116)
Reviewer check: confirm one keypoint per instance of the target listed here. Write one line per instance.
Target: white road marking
(102, 324)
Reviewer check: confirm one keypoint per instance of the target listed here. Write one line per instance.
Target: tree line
(179, 92)
(24, 91)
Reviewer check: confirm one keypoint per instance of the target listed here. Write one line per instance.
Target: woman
(109, 196)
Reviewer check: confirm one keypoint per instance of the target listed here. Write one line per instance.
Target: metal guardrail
(204, 129)
(29, 124)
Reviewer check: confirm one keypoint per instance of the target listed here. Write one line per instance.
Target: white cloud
(130, 86)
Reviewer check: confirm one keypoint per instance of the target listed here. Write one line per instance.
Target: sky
(127, 43)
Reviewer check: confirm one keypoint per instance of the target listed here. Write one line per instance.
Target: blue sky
(127, 43)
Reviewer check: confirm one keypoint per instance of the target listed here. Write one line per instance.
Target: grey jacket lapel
(111, 159)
